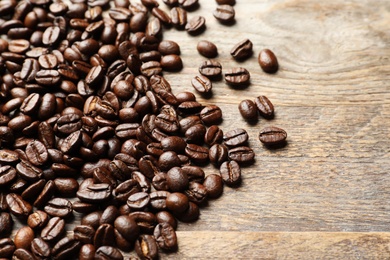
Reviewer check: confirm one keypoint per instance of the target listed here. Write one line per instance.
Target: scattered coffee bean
(224, 13)
(248, 110)
(171, 62)
(207, 49)
(268, 61)
(210, 68)
(242, 50)
(237, 77)
(272, 135)
(201, 84)
(196, 25)
(264, 106)
(230, 173)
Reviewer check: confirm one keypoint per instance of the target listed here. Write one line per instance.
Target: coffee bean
(104, 236)
(166, 217)
(48, 61)
(226, 2)
(242, 50)
(151, 68)
(53, 230)
(268, 61)
(6, 224)
(207, 49)
(185, 96)
(7, 248)
(127, 227)
(23, 237)
(191, 214)
(201, 84)
(59, 207)
(195, 134)
(17, 205)
(235, 137)
(224, 13)
(171, 62)
(272, 135)
(213, 135)
(37, 220)
(51, 35)
(7, 175)
(237, 77)
(29, 70)
(8, 156)
(177, 179)
(179, 17)
(108, 252)
(87, 252)
(109, 215)
(248, 110)
(47, 77)
(264, 106)
(241, 154)
(22, 254)
(214, 185)
(40, 248)
(95, 193)
(230, 173)
(210, 68)
(119, 14)
(211, 114)
(196, 25)
(165, 237)
(84, 233)
(36, 153)
(218, 154)
(138, 200)
(46, 194)
(66, 248)
(168, 47)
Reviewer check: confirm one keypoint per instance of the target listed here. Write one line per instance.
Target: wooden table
(325, 195)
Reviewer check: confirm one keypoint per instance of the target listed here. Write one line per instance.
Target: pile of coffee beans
(91, 130)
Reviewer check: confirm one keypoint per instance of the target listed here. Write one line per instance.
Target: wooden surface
(326, 195)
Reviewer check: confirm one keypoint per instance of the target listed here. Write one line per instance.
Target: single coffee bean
(38, 219)
(7, 175)
(138, 200)
(210, 68)
(230, 173)
(59, 207)
(173, 143)
(108, 252)
(201, 84)
(161, 15)
(265, 107)
(104, 236)
(66, 187)
(177, 179)
(127, 227)
(40, 248)
(66, 248)
(211, 114)
(242, 50)
(8, 156)
(207, 49)
(23, 237)
(6, 224)
(241, 154)
(17, 205)
(146, 247)
(84, 233)
(237, 77)
(196, 25)
(195, 134)
(165, 236)
(46, 194)
(37, 153)
(53, 230)
(151, 68)
(179, 17)
(214, 185)
(214, 135)
(235, 137)
(272, 135)
(224, 13)
(248, 110)
(168, 160)
(268, 61)
(31, 192)
(29, 70)
(218, 154)
(196, 153)
(7, 248)
(22, 254)
(168, 47)
(188, 4)
(166, 217)
(47, 77)
(95, 193)
(226, 2)
(109, 215)
(171, 62)
(87, 252)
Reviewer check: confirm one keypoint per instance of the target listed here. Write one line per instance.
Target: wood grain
(326, 194)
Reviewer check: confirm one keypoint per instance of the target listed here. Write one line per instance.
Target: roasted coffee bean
(8, 156)
(158, 199)
(38, 219)
(167, 123)
(242, 50)
(188, 108)
(47, 77)
(177, 179)
(188, 4)
(264, 106)
(159, 181)
(87, 252)
(168, 47)
(173, 143)
(84, 234)
(37, 153)
(23, 237)
(166, 217)
(66, 248)
(32, 191)
(241, 154)
(19, 122)
(177, 202)
(195, 134)
(83, 207)
(196, 153)
(66, 187)
(272, 135)
(218, 154)
(201, 84)
(196, 25)
(6, 224)
(237, 77)
(59, 207)
(92, 219)
(108, 252)
(230, 173)
(22, 254)
(191, 214)
(224, 13)
(120, 14)
(161, 15)
(40, 248)
(171, 62)
(127, 227)
(138, 200)
(7, 248)
(151, 68)
(210, 69)
(179, 17)
(95, 193)
(165, 237)
(225, 2)
(28, 172)
(46, 194)
(168, 160)
(214, 185)
(94, 76)
(235, 137)
(207, 49)
(7, 175)
(214, 135)
(146, 247)
(268, 61)
(104, 236)
(109, 215)
(248, 110)
(211, 114)
(53, 230)
(17, 205)
(29, 70)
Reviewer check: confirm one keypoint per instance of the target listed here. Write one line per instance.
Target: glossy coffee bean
(23, 237)
(40, 248)
(167, 47)
(179, 17)
(171, 62)
(264, 106)
(7, 248)
(53, 230)
(127, 227)
(17, 205)
(241, 154)
(177, 179)
(237, 77)
(146, 247)
(59, 207)
(224, 13)
(214, 185)
(66, 248)
(218, 154)
(272, 135)
(210, 68)
(165, 236)
(211, 115)
(177, 202)
(196, 25)
(235, 137)
(108, 252)
(268, 61)
(6, 224)
(248, 110)
(230, 173)
(84, 233)
(87, 252)
(202, 84)
(37, 220)
(242, 50)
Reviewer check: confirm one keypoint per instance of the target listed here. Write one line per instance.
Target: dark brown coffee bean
(146, 247)
(214, 135)
(166, 217)
(173, 143)
(95, 193)
(127, 227)
(28, 172)
(272, 135)
(171, 62)
(168, 47)
(196, 25)
(66, 248)
(268, 61)
(168, 160)
(40, 248)
(195, 134)
(196, 193)
(211, 114)
(87, 252)
(201, 84)
(226, 2)
(242, 50)
(165, 237)
(22, 254)
(207, 49)
(94, 76)
(161, 15)
(248, 110)
(36, 153)
(210, 68)
(241, 154)
(18, 46)
(177, 179)
(6, 224)
(32, 191)
(66, 187)
(19, 122)
(235, 137)
(104, 236)
(224, 13)
(109, 215)
(230, 173)
(197, 153)
(237, 77)
(17, 205)
(179, 17)
(191, 214)
(84, 234)
(59, 207)
(38, 219)
(7, 248)
(214, 185)
(7, 175)
(47, 77)
(8, 156)
(29, 70)
(53, 230)
(120, 14)
(218, 154)
(69, 123)
(138, 200)
(108, 252)
(48, 61)
(23, 237)
(151, 68)
(265, 107)
(46, 194)
(177, 202)
(51, 35)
